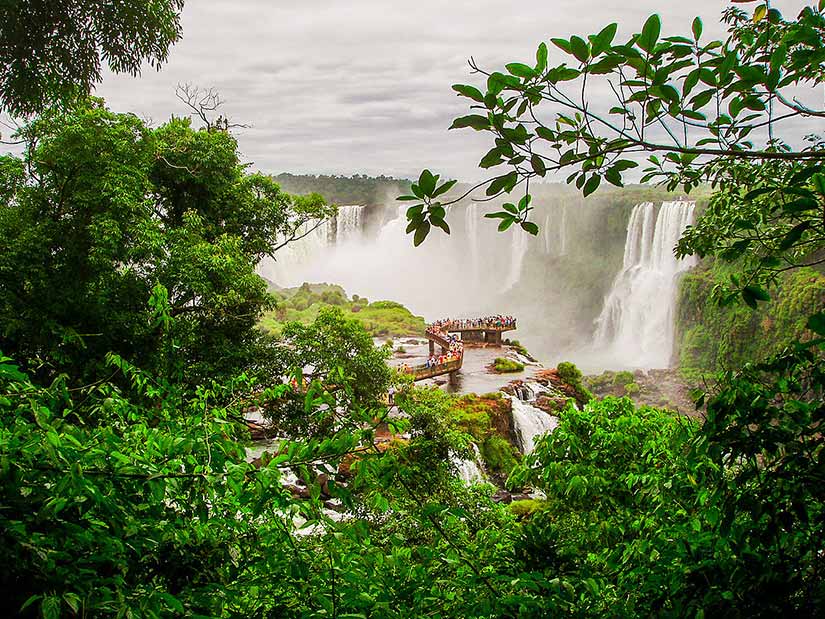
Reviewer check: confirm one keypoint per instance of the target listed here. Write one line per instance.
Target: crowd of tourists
(489, 322)
(442, 328)
(455, 352)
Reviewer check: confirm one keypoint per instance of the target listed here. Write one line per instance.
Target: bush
(527, 507)
(505, 365)
(572, 375)
(632, 389)
(622, 378)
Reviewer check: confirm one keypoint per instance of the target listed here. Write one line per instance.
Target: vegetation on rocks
(303, 304)
(504, 365)
(486, 418)
(129, 309)
(713, 337)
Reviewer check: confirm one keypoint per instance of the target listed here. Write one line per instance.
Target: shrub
(622, 378)
(504, 365)
(572, 375)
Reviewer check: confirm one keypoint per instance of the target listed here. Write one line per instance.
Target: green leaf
(521, 70)
(601, 42)
(562, 44)
(421, 233)
(537, 164)
(427, 182)
(794, 235)
(469, 91)
(444, 188)
(697, 28)
(491, 159)
(753, 293)
(510, 208)
(650, 33)
(530, 227)
(475, 121)
(441, 224)
(591, 185)
(506, 223)
(819, 183)
(173, 602)
(816, 323)
(579, 48)
(541, 58)
(503, 183)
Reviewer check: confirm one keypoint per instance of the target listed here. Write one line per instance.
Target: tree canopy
(52, 52)
(113, 229)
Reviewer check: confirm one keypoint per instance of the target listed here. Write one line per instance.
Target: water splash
(636, 325)
(530, 423)
(468, 470)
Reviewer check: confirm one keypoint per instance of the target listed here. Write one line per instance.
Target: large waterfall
(636, 325)
(556, 283)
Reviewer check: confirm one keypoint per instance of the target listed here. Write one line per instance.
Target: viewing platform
(444, 334)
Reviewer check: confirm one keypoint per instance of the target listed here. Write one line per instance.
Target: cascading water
(468, 470)
(554, 232)
(636, 325)
(563, 231)
(471, 219)
(518, 251)
(530, 423)
(348, 223)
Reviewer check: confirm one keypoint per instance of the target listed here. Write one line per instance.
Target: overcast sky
(363, 86)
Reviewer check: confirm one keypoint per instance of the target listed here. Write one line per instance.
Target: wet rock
(502, 496)
(520, 497)
(550, 404)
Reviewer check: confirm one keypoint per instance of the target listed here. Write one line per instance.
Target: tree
(334, 351)
(104, 216)
(52, 52)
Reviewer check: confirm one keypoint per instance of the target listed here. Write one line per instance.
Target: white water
(530, 423)
(345, 227)
(635, 328)
(518, 251)
(468, 470)
(471, 221)
(554, 232)
(459, 274)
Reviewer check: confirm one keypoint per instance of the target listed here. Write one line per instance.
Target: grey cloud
(364, 85)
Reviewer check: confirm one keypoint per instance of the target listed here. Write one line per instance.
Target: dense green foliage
(128, 317)
(714, 337)
(51, 52)
(112, 229)
(380, 318)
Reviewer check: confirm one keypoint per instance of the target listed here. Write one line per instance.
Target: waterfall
(554, 232)
(563, 231)
(530, 423)
(348, 223)
(471, 218)
(468, 470)
(345, 226)
(637, 321)
(547, 231)
(518, 249)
